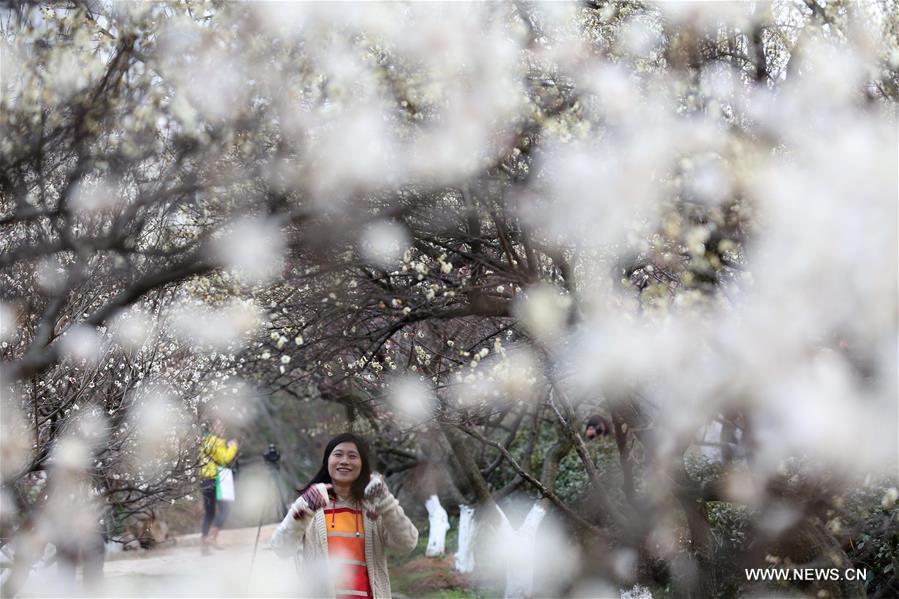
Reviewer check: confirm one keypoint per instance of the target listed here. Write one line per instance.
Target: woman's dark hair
(599, 424)
(322, 476)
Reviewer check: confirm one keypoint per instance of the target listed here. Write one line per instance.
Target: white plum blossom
(93, 196)
(253, 248)
(412, 399)
(220, 328)
(81, 343)
(132, 329)
(544, 311)
(7, 321)
(383, 243)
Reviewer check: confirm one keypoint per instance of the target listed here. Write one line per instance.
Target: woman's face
(344, 463)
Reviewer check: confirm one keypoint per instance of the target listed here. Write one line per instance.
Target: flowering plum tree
(473, 226)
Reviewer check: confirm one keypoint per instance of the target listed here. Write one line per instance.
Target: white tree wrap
(438, 526)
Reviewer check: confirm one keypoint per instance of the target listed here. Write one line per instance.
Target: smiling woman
(347, 518)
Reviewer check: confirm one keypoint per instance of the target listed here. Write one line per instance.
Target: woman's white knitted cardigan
(392, 530)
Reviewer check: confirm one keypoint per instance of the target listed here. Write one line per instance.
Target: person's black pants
(214, 512)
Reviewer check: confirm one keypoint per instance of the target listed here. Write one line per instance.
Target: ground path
(179, 570)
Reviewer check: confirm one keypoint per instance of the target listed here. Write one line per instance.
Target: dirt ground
(179, 570)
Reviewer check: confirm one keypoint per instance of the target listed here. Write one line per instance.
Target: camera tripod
(276, 496)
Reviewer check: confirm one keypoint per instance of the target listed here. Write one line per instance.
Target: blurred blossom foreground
(464, 231)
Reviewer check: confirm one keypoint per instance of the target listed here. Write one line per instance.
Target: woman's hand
(376, 488)
(316, 496)
(312, 499)
(376, 493)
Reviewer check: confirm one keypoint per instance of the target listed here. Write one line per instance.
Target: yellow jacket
(213, 453)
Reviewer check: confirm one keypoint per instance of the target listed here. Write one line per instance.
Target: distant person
(347, 516)
(597, 427)
(215, 454)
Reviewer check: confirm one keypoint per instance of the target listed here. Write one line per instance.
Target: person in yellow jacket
(214, 453)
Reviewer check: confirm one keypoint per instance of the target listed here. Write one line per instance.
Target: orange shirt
(346, 549)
